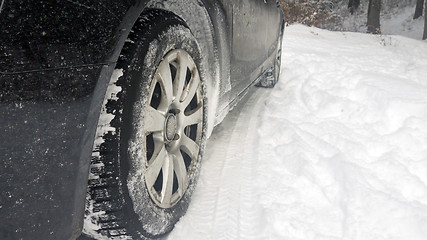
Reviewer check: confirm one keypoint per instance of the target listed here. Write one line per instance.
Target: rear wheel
(271, 76)
(146, 169)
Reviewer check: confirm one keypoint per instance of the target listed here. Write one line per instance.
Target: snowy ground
(337, 150)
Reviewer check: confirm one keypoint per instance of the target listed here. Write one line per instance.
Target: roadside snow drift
(337, 150)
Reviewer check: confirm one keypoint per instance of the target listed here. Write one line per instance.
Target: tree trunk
(419, 9)
(425, 21)
(374, 16)
(353, 5)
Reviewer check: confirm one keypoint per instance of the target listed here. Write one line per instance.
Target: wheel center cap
(170, 127)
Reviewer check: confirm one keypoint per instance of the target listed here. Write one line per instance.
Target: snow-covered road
(337, 150)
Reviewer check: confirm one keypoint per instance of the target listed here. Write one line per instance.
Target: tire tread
(104, 186)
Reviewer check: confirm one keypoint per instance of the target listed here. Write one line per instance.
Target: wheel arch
(210, 30)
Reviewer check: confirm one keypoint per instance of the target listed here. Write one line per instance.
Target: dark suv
(106, 107)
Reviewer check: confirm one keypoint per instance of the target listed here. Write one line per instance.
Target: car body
(56, 59)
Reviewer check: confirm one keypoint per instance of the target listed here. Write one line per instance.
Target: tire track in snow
(223, 203)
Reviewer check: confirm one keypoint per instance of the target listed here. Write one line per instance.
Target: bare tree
(419, 9)
(374, 10)
(425, 21)
(353, 5)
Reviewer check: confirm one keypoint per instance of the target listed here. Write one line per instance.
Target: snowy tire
(150, 164)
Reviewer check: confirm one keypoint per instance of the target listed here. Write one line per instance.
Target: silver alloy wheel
(173, 127)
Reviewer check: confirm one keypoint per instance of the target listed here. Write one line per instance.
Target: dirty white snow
(337, 150)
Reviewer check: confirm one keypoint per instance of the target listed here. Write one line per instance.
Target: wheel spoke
(191, 88)
(155, 164)
(189, 146)
(165, 80)
(180, 76)
(167, 181)
(154, 120)
(181, 172)
(194, 116)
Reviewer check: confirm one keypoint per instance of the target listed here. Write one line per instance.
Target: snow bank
(347, 136)
(339, 150)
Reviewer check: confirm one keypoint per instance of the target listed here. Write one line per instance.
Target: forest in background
(351, 15)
